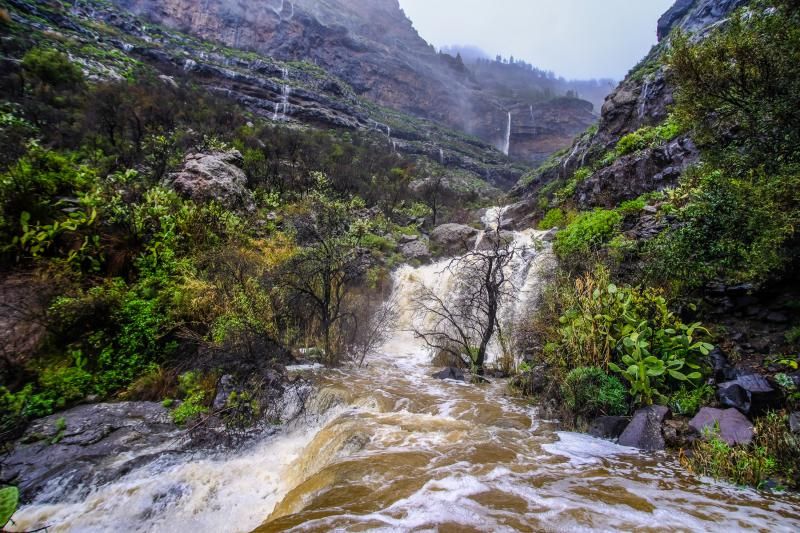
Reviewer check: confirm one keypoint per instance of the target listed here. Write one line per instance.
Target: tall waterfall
(644, 99)
(507, 143)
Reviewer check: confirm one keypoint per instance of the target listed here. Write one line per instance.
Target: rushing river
(389, 448)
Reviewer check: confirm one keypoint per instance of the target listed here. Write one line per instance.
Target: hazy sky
(574, 38)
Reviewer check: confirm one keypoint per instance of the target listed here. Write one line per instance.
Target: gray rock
(454, 238)
(95, 443)
(644, 431)
(225, 387)
(734, 427)
(214, 177)
(453, 373)
(416, 250)
(550, 235)
(608, 427)
(794, 422)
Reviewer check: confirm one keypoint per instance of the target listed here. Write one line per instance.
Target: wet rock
(453, 373)
(722, 370)
(214, 177)
(644, 431)
(416, 249)
(94, 443)
(734, 427)
(794, 422)
(454, 238)
(608, 427)
(677, 433)
(225, 388)
(749, 393)
(550, 235)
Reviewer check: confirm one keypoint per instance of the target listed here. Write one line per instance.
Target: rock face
(608, 427)
(642, 99)
(214, 177)
(734, 427)
(644, 431)
(794, 422)
(454, 238)
(416, 250)
(374, 48)
(94, 444)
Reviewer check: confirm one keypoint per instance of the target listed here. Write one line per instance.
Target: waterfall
(441, 156)
(282, 107)
(507, 144)
(533, 120)
(644, 99)
(388, 132)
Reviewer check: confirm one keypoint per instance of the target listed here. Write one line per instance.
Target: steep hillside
(641, 100)
(373, 47)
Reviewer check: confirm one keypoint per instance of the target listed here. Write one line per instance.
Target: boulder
(608, 427)
(454, 238)
(549, 235)
(677, 433)
(734, 427)
(794, 422)
(225, 387)
(214, 177)
(416, 250)
(93, 444)
(749, 393)
(453, 373)
(644, 431)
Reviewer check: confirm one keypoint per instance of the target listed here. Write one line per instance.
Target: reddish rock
(734, 427)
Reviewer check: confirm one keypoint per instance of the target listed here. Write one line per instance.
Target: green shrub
(52, 68)
(587, 233)
(196, 391)
(631, 207)
(589, 392)
(554, 218)
(687, 401)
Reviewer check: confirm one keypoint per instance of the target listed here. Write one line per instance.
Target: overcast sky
(574, 38)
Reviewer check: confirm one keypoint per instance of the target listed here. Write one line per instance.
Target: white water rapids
(392, 449)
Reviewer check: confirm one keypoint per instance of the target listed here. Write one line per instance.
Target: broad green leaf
(9, 500)
(678, 375)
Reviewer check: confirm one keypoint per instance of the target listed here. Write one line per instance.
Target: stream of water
(389, 448)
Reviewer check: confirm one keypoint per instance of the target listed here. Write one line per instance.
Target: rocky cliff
(642, 99)
(371, 45)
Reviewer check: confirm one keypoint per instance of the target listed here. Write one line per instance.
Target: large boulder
(608, 427)
(416, 250)
(452, 373)
(750, 393)
(794, 422)
(89, 445)
(734, 427)
(454, 238)
(215, 176)
(644, 431)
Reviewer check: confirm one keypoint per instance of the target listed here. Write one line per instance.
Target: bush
(197, 391)
(554, 218)
(587, 233)
(52, 68)
(589, 392)
(687, 401)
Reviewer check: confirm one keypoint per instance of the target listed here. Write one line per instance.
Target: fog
(577, 39)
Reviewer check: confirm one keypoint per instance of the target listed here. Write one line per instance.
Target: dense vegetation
(148, 294)
(628, 308)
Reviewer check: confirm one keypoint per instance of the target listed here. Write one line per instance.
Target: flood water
(389, 448)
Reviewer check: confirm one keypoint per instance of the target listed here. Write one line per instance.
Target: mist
(577, 39)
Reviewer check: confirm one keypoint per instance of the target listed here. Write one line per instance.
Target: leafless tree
(463, 325)
(369, 328)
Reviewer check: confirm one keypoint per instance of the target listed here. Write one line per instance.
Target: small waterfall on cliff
(441, 156)
(282, 107)
(507, 143)
(644, 99)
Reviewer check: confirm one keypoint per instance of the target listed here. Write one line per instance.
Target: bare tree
(463, 325)
(369, 327)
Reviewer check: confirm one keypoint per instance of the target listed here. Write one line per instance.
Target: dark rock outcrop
(644, 431)
(734, 427)
(214, 177)
(608, 427)
(794, 422)
(416, 250)
(92, 445)
(749, 393)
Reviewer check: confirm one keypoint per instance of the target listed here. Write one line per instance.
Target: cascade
(533, 120)
(387, 447)
(282, 107)
(441, 156)
(507, 143)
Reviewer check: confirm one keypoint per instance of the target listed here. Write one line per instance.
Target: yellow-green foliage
(587, 233)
